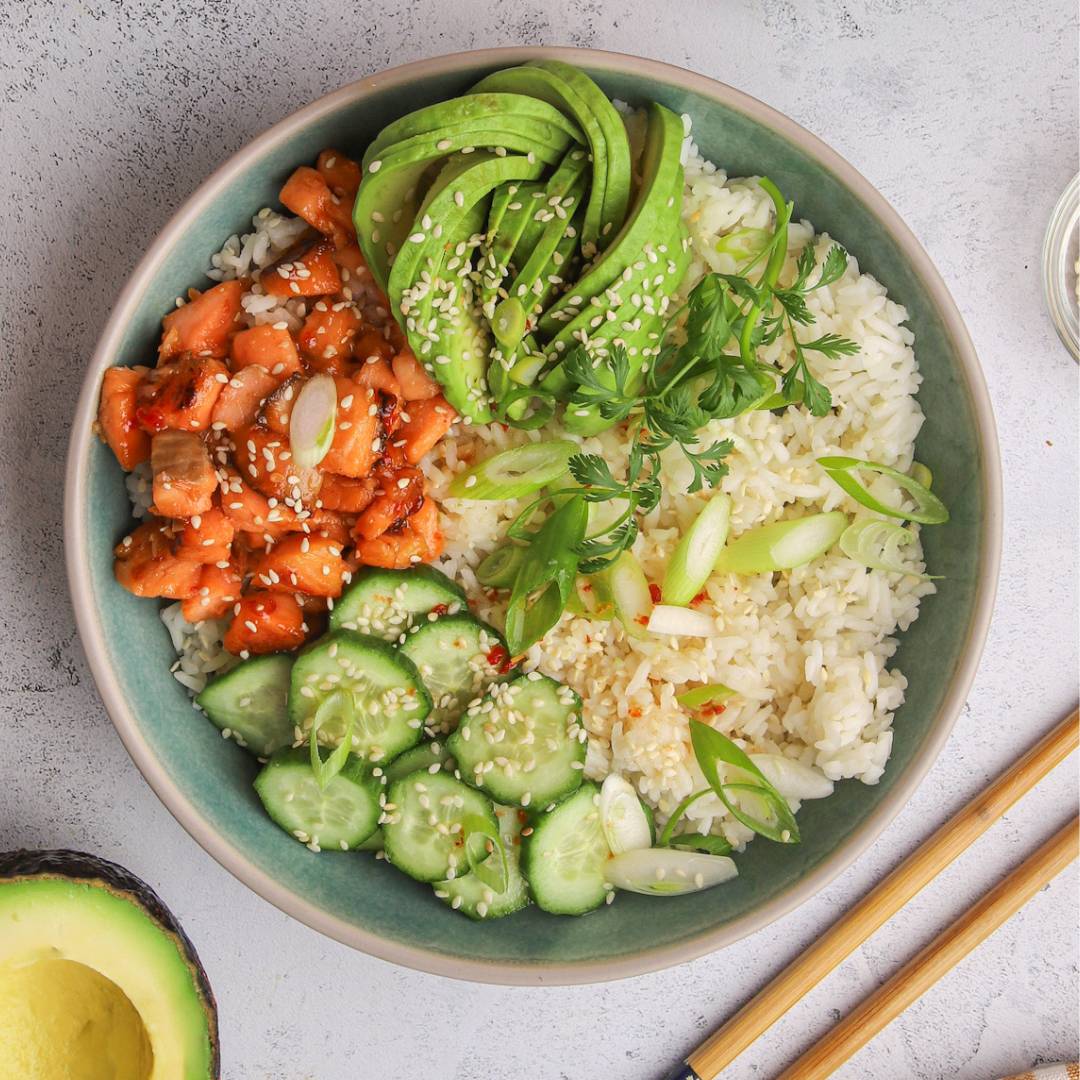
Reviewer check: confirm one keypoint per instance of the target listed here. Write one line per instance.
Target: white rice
(807, 651)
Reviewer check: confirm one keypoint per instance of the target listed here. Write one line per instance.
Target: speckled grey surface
(963, 113)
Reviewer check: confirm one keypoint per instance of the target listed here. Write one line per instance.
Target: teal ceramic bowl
(206, 782)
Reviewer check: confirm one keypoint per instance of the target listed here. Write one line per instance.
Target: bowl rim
(508, 972)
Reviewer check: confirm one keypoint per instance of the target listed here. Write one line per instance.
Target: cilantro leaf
(832, 346)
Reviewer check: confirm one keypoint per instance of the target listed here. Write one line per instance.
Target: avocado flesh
(661, 183)
(551, 87)
(479, 108)
(437, 299)
(619, 176)
(97, 980)
(388, 200)
(507, 225)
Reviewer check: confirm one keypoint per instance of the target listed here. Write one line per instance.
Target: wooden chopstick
(942, 954)
(879, 905)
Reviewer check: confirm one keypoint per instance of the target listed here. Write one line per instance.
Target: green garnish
(706, 843)
(782, 545)
(702, 696)
(876, 544)
(498, 570)
(482, 844)
(750, 791)
(929, 511)
(514, 473)
(339, 704)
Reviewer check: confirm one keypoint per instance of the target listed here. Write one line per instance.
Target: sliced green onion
(313, 421)
(526, 407)
(630, 594)
(596, 597)
(624, 821)
(753, 801)
(483, 844)
(695, 555)
(706, 843)
(744, 243)
(791, 778)
(508, 323)
(498, 570)
(546, 577)
(921, 474)
(782, 545)
(515, 473)
(703, 696)
(930, 510)
(672, 621)
(666, 872)
(877, 544)
(337, 705)
(668, 834)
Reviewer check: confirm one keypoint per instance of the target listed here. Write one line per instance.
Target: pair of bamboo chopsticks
(880, 904)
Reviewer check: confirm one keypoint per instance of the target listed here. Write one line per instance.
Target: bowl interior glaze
(206, 781)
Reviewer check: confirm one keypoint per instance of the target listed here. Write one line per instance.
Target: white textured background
(964, 113)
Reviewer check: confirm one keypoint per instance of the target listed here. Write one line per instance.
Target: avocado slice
(551, 87)
(390, 195)
(481, 108)
(97, 979)
(657, 202)
(431, 283)
(617, 185)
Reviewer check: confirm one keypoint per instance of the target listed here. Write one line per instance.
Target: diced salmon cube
(371, 347)
(329, 525)
(341, 173)
(264, 460)
(217, 591)
(251, 512)
(241, 400)
(354, 268)
(266, 622)
(358, 435)
(270, 346)
(416, 384)
(204, 324)
(116, 416)
(184, 476)
(180, 395)
(311, 273)
(399, 494)
(207, 537)
(424, 423)
(326, 338)
(277, 412)
(301, 563)
(346, 493)
(147, 565)
(417, 540)
(307, 194)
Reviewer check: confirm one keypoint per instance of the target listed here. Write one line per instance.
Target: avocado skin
(92, 870)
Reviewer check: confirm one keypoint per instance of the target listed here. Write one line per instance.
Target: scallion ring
(513, 473)
(782, 545)
(482, 844)
(876, 544)
(337, 705)
(498, 570)
(930, 510)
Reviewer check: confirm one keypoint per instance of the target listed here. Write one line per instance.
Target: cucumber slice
(384, 603)
(457, 657)
(338, 818)
(565, 857)
(424, 756)
(373, 843)
(251, 703)
(524, 743)
(471, 896)
(389, 700)
(424, 824)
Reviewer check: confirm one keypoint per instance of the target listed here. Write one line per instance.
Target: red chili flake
(700, 598)
(642, 619)
(439, 609)
(654, 592)
(712, 710)
(499, 659)
(585, 586)
(635, 713)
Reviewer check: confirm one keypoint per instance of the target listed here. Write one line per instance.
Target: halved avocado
(97, 979)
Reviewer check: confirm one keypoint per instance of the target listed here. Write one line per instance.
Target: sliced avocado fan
(505, 229)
